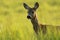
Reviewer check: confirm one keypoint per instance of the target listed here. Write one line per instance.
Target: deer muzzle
(29, 17)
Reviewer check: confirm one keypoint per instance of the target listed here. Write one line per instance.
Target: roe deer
(32, 16)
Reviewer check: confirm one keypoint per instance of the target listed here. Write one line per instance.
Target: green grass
(15, 26)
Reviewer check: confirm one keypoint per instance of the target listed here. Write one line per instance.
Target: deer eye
(32, 12)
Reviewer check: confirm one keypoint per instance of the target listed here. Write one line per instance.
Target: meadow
(15, 26)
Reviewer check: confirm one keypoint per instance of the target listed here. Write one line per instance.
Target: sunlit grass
(15, 26)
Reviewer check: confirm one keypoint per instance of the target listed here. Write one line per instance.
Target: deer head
(31, 11)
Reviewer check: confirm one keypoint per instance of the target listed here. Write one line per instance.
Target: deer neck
(35, 24)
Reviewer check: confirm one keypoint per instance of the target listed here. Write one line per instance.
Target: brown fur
(34, 20)
(37, 26)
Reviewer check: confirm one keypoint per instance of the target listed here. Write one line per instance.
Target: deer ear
(26, 6)
(36, 5)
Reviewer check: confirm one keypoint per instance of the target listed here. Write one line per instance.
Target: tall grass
(15, 26)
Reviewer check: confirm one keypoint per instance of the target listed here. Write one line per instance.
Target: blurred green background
(15, 26)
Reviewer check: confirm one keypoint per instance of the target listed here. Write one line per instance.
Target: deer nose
(28, 17)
